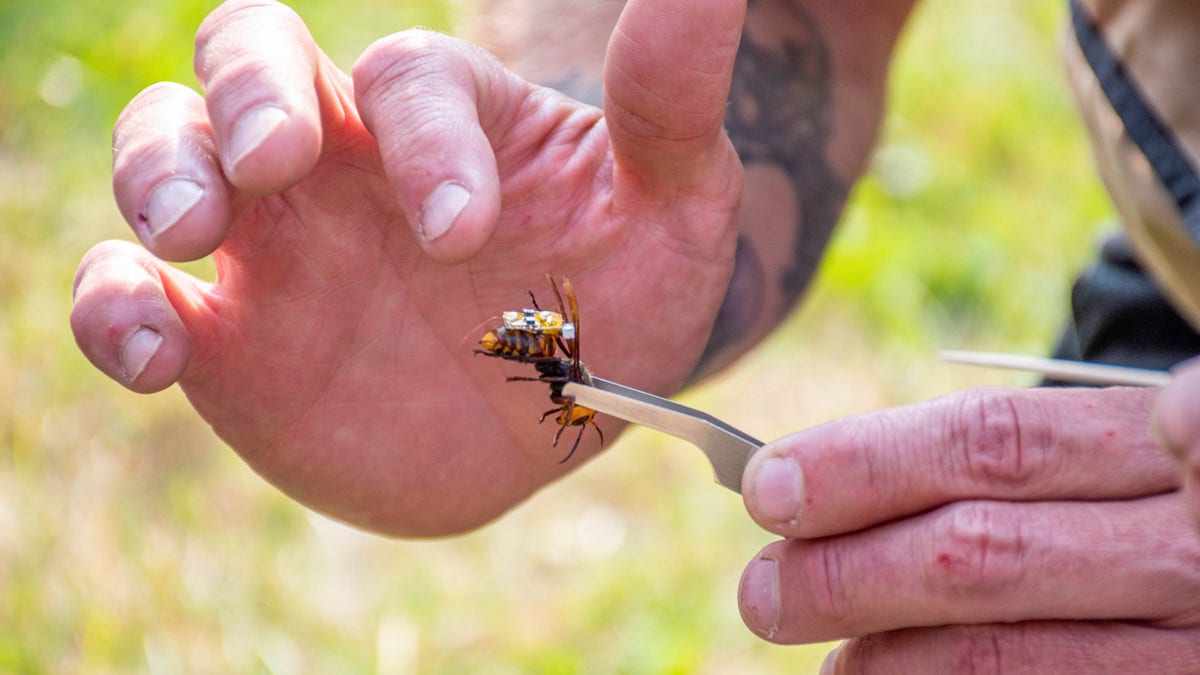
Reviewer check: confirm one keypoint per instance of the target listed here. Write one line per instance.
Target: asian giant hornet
(526, 335)
(532, 336)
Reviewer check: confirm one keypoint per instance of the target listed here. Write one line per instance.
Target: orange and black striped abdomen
(517, 345)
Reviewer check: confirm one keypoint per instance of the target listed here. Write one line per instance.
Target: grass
(130, 540)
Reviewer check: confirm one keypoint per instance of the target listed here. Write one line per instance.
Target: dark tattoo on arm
(780, 117)
(780, 114)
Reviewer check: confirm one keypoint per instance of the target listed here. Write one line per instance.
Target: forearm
(806, 102)
(807, 99)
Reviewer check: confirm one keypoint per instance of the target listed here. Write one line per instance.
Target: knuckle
(977, 549)
(146, 101)
(140, 155)
(419, 93)
(398, 61)
(253, 51)
(984, 650)
(975, 649)
(825, 568)
(217, 37)
(154, 112)
(998, 437)
(245, 82)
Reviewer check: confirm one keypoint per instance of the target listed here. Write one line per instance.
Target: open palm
(334, 350)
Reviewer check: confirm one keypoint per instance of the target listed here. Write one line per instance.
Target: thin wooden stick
(1071, 371)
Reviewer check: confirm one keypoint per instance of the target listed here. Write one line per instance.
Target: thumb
(1177, 423)
(666, 83)
(1175, 413)
(124, 320)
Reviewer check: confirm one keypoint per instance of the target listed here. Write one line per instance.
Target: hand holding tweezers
(728, 449)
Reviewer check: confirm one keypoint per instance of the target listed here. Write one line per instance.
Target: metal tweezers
(728, 449)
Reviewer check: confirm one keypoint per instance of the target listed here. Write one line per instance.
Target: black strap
(1143, 125)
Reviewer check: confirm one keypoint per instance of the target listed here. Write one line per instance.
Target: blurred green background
(131, 540)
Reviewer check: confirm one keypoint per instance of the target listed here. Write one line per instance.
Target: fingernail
(758, 597)
(139, 347)
(170, 202)
(778, 489)
(254, 128)
(441, 209)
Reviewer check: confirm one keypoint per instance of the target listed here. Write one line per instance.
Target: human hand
(1177, 421)
(993, 530)
(333, 352)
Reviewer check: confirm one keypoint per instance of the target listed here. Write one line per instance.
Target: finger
(1177, 414)
(419, 94)
(122, 318)
(981, 562)
(262, 73)
(1175, 422)
(984, 443)
(166, 178)
(1036, 647)
(666, 85)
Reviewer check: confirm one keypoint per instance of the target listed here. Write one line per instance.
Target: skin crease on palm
(392, 423)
